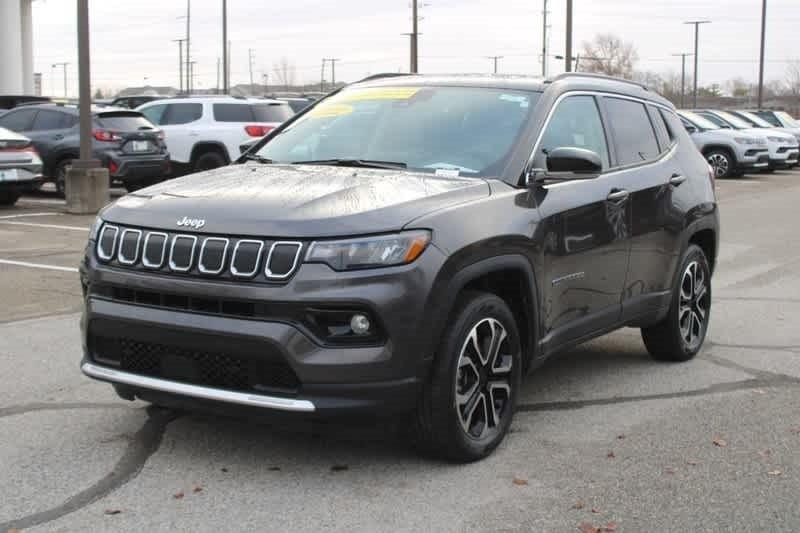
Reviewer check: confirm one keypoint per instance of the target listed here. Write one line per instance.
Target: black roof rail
(382, 75)
(566, 75)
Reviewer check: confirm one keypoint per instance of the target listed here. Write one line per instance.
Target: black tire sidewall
(61, 176)
(693, 253)
(208, 161)
(478, 307)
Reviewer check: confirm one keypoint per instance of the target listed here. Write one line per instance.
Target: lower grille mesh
(208, 368)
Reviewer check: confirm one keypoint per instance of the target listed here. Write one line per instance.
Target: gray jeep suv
(409, 244)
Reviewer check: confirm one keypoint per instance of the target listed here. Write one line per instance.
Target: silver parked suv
(730, 153)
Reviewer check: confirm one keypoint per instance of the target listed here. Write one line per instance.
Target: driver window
(575, 124)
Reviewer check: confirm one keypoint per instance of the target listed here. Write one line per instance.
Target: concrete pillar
(11, 48)
(26, 28)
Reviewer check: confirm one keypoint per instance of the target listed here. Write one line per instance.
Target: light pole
(494, 58)
(696, 44)
(544, 40)
(568, 54)
(414, 37)
(761, 59)
(225, 79)
(64, 66)
(180, 60)
(683, 75)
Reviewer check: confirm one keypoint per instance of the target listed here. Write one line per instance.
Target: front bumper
(332, 380)
(754, 159)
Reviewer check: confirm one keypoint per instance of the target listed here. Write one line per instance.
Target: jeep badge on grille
(194, 223)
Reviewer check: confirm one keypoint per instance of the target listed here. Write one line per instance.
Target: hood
(294, 200)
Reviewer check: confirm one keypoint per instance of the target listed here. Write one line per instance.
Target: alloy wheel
(484, 379)
(694, 305)
(720, 164)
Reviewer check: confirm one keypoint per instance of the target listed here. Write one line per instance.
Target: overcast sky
(131, 39)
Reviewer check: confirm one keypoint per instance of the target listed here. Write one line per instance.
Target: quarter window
(182, 114)
(634, 137)
(49, 120)
(662, 132)
(155, 113)
(576, 124)
(18, 120)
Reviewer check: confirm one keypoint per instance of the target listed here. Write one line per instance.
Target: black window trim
(611, 171)
(649, 121)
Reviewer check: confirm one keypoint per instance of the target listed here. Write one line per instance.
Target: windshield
(469, 131)
(733, 120)
(699, 121)
(787, 119)
(755, 119)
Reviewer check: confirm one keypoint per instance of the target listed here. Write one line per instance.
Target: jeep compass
(408, 245)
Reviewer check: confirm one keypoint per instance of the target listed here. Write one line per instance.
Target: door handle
(618, 196)
(57, 137)
(677, 179)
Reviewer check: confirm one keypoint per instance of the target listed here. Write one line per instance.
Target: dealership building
(16, 47)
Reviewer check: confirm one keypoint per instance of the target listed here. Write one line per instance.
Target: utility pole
(696, 43)
(495, 58)
(250, 65)
(761, 59)
(568, 54)
(265, 81)
(544, 40)
(64, 66)
(414, 37)
(683, 76)
(180, 60)
(188, 43)
(322, 76)
(225, 80)
(333, 70)
(218, 67)
(190, 74)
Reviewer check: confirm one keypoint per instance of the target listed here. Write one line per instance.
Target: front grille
(216, 369)
(201, 255)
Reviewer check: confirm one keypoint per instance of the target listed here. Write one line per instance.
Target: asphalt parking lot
(604, 436)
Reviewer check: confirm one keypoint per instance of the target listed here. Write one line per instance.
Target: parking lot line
(37, 265)
(5, 217)
(55, 226)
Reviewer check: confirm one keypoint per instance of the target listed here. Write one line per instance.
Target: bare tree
(739, 87)
(651, 80)
(284, 72)
(793, 79)
(609, 54)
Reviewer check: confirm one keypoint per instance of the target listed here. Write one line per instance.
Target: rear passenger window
(18, 120)
(634, 137)
(50, 120)
(576, 124)
(662, 133)
(233, 113)
(182, 113)
(155, 114)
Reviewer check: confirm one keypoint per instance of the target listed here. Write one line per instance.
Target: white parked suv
(204, 132)
(730, 153)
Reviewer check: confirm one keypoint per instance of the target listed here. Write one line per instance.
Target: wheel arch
(725, 148)
(203, 147)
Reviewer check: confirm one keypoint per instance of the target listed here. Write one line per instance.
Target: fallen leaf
(585, 527)
(339, 468)
(178, 495)
(774, 472)
(692, 462)
(578, 505)
(197, 488)
(13, 530)
(277, 468)
(765, 453)
(611, 526)
(621, 436)
(795, 431)
(719, 442)
(669, 471)
(610, 455)
(112, 511)
(223, 469)
(595, 510)
(518, 481)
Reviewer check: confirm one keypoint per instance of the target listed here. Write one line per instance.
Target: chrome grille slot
(107, 242)
(282, 259)
(213, 253)
(181, 253)
(155, 249)
(246, 258)
(129, 246)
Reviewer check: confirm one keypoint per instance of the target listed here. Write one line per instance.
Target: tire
(9, 198)
(454, 419)
(61, 176)
(208, 161)
(671, 339)
(722, 162)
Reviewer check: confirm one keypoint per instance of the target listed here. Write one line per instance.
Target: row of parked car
(163, 137)
(736, 142)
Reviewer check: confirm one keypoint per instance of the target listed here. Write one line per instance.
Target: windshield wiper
(258, 159)
(352, 162)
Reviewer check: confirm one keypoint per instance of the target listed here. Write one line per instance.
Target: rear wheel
(9, 197)
(467, 405)
(722, 163)
(208, 161)
(680, 335)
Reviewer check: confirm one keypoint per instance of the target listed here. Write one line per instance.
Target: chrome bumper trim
(196, 391)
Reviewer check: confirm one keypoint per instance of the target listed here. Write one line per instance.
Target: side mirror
(576, 160)
(690, 129)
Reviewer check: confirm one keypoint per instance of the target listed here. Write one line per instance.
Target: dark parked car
(132, 102)
(20, 167)
(10, 101)
(125, 142)
(409, 244)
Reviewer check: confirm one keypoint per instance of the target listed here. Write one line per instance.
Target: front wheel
(721, 162)
(468, 403)
(9, 198)
(680, 335)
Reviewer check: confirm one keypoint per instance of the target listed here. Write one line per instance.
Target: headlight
(95, 229)
(370, 252)
(777, 139)
(746, 140)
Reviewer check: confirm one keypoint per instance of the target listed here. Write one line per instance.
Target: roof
(73, 108)
(568, 81)
(217, 98)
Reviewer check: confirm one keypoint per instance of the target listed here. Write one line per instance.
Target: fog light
(359, 324)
